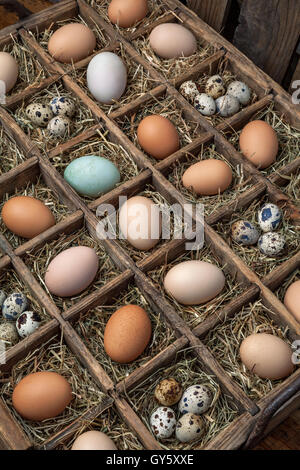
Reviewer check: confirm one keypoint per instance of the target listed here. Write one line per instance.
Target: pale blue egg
(92, 176)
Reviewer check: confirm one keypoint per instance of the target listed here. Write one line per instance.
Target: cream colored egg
(8, 71)
(93, 440)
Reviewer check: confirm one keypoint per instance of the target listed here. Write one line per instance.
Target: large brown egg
(26, 216)
(292, 299)
(126, 13)
(71, 43)
(172, 40)
(208, 177)
(127, 334)
(8, 70)
(93, 440)
(158, 136)
(259, 144)
(267, 356)
(41, 395)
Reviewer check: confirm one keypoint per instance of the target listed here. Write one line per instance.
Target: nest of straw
(286, 283)
(292, 187)
(262, 265)
(43, 193)
(240, 182)
(288, 137)
(186, 369)
(56, 357)
(10, 154)
(225, 340)
(38, 261)
(40, 135)
(194, 315)
(91, 328)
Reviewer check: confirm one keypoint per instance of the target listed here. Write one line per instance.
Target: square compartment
(10, 154)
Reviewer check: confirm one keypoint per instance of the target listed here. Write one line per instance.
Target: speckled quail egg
(62, 106)
(189, 90)
(8, 333)
(163, 422)
(269, 217)
(196, 399)
(244, 233)
(168, 392)
(189, 427)
(27, 323)
(215, 87)
(59, 126)
(14, 305)
(227, 105)
(2, 297)
(271, 244)
(205, 104)
(39, 114)
(241, 91)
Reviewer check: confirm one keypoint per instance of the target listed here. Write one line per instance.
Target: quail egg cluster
(192, 403)
(216, 98)
(56, 115)
(270, 243)
(17, 321)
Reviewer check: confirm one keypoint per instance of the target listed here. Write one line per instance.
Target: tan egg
(127, 334)
(41, 395)
(125, 13)
(259, 144)
(71, 43)
(26, 216)
(93, 440)
(168, 392)
(267, 356)
(140, 222)
(208, 177)
(158, 136)
(292, 299)
(172, 40)
(9, 70)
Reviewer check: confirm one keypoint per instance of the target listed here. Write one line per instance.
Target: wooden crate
(126, 270)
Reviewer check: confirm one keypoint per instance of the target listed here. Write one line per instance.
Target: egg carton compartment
(37, 189)
(194, 315)
(82, 120)
(10, 154)
(260, 264)
(287, 282)
(53, 356)
(37, 260)
(91, 327)
(165, 106)
(139, 81)
(224, 341)
(186, 370)
(288, 138)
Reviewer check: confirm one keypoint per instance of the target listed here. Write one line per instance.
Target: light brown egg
(26, 216)
(8, 70)
(93, 440)
(158, 136)
(140, 222)
(172, 40)
(292, 299)
(208, 177)
(72, 271)
(259, 144)
(41, 395)
(127, 334)
(267, 356)
(71, 43)
(125, 13)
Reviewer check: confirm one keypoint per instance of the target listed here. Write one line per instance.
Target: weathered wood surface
(213, 12)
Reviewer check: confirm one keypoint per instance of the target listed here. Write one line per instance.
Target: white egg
(14, 305)
(271, 244)
(106, 77)
(241, 91)
(215, 87)
(196, 399)
(59, 126)
(205, 104)
(227, 105)
(269, 217)
(163, 422)
(62, 106)
(244, 233)
(189, 90)
(27, 323)
(189, 428)
(39, 114)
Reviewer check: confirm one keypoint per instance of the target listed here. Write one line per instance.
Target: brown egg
(267, 356)
(126, 13)
(8, 70)
(127, 334)
(208, 177)
(172, 40)
(158, 136)
(259, 144)
(93, 440)
(41, 395)
(26, 216)
(292, 299)
(71, 43)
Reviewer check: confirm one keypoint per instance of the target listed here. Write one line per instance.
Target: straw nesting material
(10, 154)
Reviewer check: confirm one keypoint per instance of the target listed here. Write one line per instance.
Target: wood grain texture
(213, 12)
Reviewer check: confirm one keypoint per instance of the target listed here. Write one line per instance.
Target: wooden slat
(12, 437)
(213, 12)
